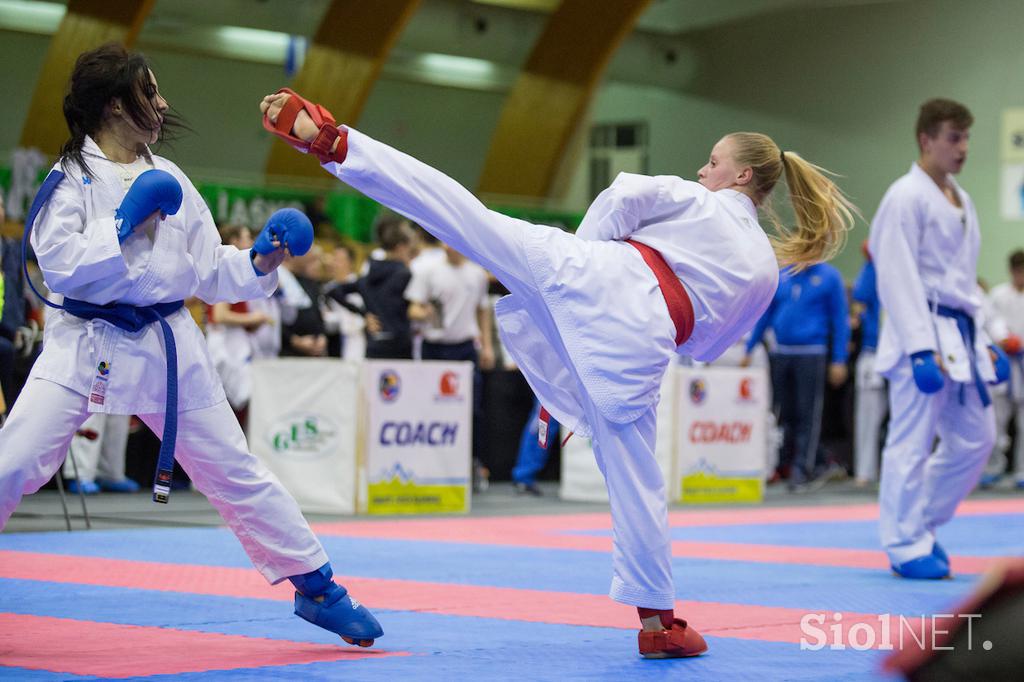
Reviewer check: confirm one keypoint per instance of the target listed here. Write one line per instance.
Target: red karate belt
(680, 309)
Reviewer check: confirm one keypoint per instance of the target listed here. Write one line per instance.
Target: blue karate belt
(965, 323)
(130, 318)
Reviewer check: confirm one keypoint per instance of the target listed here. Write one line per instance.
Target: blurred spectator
(428, 251)
(316, 211)
(17, 335)
(809, 316)
(229, 331)
(532, 456)
(344, 319)
(872, 405)
(99, 449)
(388, 332)
(1007, 303)
(305, 334)
(449, 298)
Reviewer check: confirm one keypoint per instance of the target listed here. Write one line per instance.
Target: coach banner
(302, 426)
(418, 437)
(721, 434)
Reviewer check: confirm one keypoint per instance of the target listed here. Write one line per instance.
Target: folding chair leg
(63, 500)
(81, 492)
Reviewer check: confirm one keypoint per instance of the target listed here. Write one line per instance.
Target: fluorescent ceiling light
(237, 41)
(532, 5)
(451, 65)
(31, 17)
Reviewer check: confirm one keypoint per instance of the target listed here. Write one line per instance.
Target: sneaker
(85, 487)
(1019, 485)
(989, 481)
(125, 485)
(528, 489)
(834, 472)
(481, 478)
(680, 641)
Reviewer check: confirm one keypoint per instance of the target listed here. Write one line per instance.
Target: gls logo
(302, 436)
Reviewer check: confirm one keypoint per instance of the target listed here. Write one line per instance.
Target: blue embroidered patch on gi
(86, 180)
(103, 368)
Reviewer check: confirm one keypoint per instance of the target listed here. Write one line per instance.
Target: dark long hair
(99, 76)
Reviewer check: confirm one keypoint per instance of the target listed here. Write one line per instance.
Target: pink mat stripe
(110, 650)
(741, 621)
(561, 523)
(556, 532)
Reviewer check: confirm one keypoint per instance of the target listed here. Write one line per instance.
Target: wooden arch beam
(341, 66)
(550, 97)
(86, 24)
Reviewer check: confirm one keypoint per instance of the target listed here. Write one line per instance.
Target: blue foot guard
(934, 566)
(323, 602)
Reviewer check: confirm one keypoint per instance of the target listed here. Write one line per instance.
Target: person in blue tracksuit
(812, 332)
(532, 455)
(871, 408)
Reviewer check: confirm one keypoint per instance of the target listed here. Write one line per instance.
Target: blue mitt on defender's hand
(290, 227)
(1001, 362)
(927, 374)
(154, 190)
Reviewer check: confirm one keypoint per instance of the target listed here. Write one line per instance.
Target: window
(616, 148)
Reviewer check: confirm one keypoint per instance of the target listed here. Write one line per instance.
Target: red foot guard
(679, 641)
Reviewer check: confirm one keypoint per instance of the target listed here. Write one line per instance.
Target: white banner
(581, 480)
(721, 434)
(302, 425)
(418, 436)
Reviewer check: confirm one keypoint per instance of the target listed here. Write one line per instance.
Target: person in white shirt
(1007, 301)
(125, 238)
(659, 266)
(230, 328)
(448, 299)
(936, 355)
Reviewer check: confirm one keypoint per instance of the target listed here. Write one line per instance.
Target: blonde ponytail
(823, 213)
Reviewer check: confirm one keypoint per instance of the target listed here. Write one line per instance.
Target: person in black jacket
(388, 331)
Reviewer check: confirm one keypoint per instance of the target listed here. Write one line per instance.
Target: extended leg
(441, 205)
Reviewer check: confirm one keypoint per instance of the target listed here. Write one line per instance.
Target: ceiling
(300, 17)
(483, 42)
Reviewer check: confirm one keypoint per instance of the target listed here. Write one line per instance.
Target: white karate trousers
(870, 411)
(1007, 405)
(641, 554)
(921, 487)
(210, 447)
(103, 455)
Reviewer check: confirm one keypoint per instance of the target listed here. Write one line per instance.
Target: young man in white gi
(924, 243)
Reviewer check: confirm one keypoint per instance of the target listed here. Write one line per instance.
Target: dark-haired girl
(124, 238)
